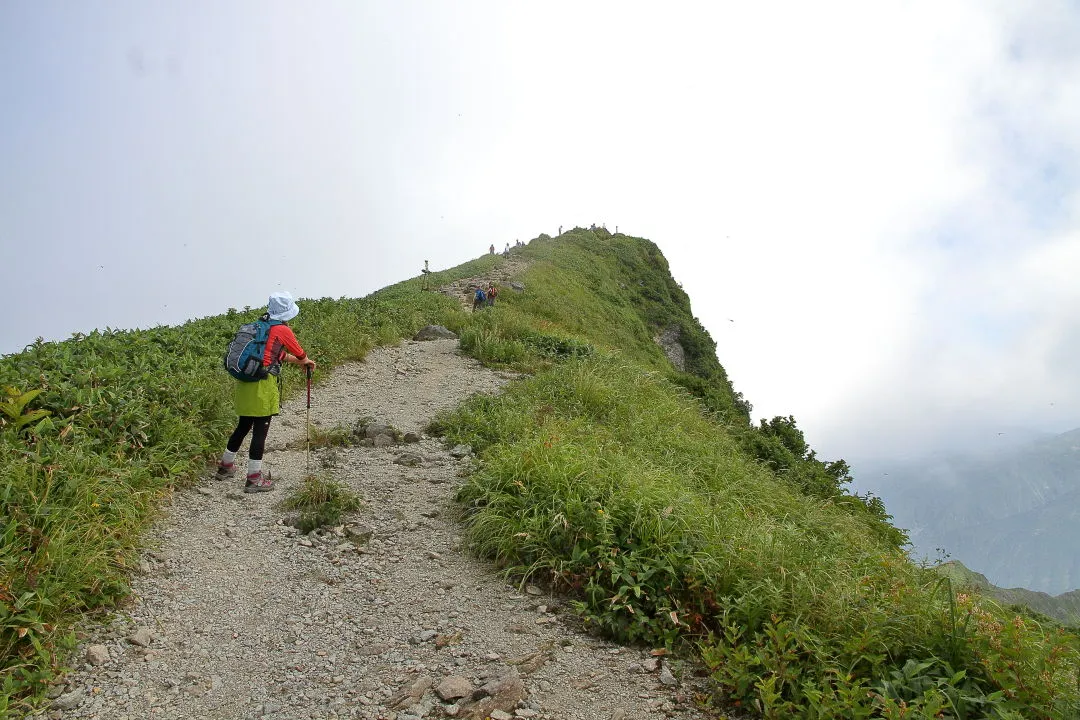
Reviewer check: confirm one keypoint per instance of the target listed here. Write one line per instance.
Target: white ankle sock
(227, 457)
(254, 466)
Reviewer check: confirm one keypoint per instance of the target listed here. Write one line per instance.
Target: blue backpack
(244, 356)
(480, 295)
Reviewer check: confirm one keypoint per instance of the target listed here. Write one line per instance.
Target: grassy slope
(132, 414)
(1064, 607)
(600, 475)
(617, 477)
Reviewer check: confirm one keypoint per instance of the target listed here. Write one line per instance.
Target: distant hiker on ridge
(259, 400)
(491, 250)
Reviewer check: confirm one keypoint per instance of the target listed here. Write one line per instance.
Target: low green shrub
(599, 477)
(334, 436)
(321, 501)
(95, 429)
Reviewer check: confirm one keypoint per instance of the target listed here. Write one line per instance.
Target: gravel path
(237, 615)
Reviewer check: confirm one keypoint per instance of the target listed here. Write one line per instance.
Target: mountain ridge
(638, 492)
(1008, 513)
(1064, 607)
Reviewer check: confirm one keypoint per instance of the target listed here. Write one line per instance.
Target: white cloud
(880, 195)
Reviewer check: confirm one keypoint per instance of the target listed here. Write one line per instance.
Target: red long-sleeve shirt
(280, 340)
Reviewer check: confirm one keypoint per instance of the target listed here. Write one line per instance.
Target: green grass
(600, 477)
(322, 501)
(642, 491)
(647, 494)
(123, 417)
(333, 436)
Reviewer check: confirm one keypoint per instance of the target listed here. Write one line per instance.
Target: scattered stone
(442, 641)
(68, 701)
(667, 678)
(381, 441)
(503, 693)
(518, 628)
(206, 491)
(533, 590)
(453, 688)
(528, 664)
(460, 451)
(409, 459)
(411, 693)
(434, 332)
(374, 430)
(500, 715)
(651, 665)
(141, 637)
(359, 534)
(518, 287)
(97, 654)
(373, 650)
(195, 690)
(411, 437)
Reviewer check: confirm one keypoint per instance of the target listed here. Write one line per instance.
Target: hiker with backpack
(492, 293)
(254, 358)
(479, 299)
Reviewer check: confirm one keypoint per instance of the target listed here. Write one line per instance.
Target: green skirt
(257, 399)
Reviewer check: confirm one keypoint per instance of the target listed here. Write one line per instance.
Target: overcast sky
(883, 197)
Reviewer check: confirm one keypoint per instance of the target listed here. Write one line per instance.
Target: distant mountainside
(1064, 607)
(1013, 515)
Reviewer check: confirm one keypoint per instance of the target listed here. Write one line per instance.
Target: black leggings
(258, 437)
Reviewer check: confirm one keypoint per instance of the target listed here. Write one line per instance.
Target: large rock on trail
(434, 332)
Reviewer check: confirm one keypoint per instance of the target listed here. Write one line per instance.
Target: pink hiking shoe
(259, 482)
(225, 470)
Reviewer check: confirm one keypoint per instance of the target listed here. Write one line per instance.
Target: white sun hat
(282, 307)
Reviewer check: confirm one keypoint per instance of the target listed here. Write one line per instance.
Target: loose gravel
(238, 615)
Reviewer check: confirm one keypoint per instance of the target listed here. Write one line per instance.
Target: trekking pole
(307, 424)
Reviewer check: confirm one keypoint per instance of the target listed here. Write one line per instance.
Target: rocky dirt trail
(503, 275)
(237, 615)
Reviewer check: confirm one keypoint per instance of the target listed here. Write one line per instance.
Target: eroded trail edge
(237, 615)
